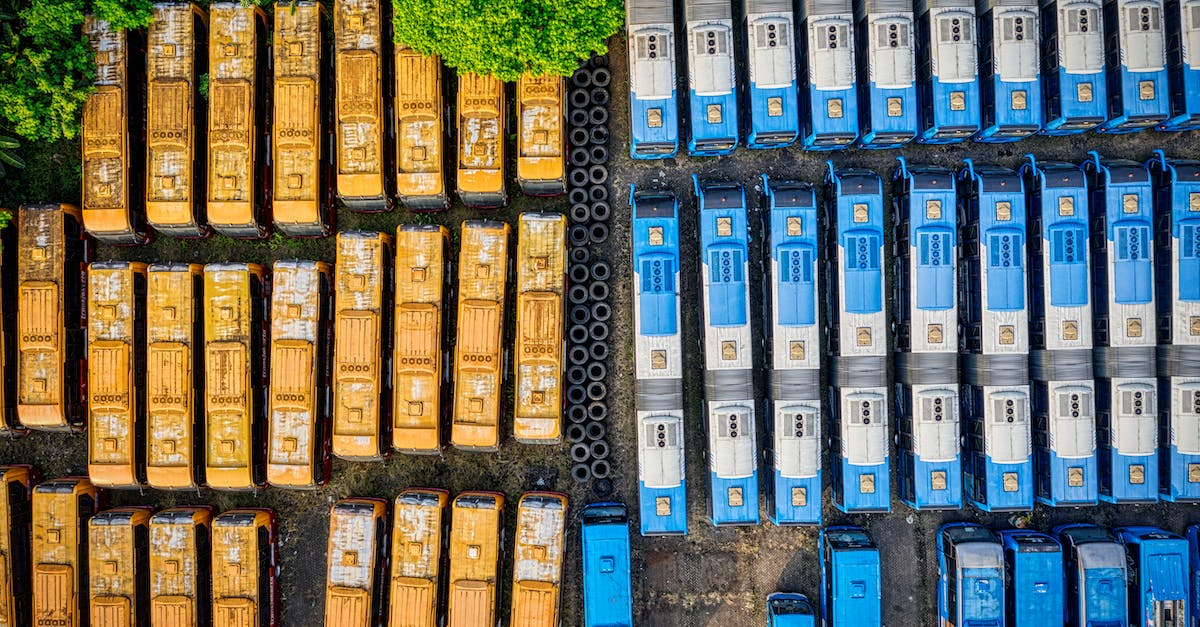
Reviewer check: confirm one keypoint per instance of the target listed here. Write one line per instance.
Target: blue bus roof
(724, 241)
(656, 263)
(1035, 570)
(607, 587)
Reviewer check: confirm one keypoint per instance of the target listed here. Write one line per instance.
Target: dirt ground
(710, 577)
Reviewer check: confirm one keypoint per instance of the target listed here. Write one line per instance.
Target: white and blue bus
(653, 113)
(1073, 84)
(728, 343)
(1121, 210)
(1177, 292)
(1009, 70)
(658, 354)
(607, 573)
(970, 576)
(1159, 581)
(1060, 334)
(887, 85)
(1135, 57)
(828, 99)
(998, 461)
(856, 342)
(1096, 574)
(712, 80)
(851, 578)
(1035, 578)
(925, 327)
(1183, 64)
(772, 96)
(794, 320)
(947, 71)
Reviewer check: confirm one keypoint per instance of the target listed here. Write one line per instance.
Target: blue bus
(787, 609)
(1135, 58)
(653, 114)
(1060, 338)
(1035, 578)
(793, 317)
(658, 355)
(1121, 208)
(828, 100)
(998, 464)
(1159, 581)
(947, 70)
(1073, 85)
(1193, 538)
(1183, 64)
(970, 576)
(887, 86)
(925, 336)
(607, 577)
(1096, 576)
(1177, 289)
(712, 81)
(1009, 70)
(856, 340)
(729, 412)
(774, 111)
(851, 590)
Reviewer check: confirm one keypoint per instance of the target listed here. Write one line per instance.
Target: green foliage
(510, 38)
(5, 218)
(53, 173)
(8, 146)
(203, 86)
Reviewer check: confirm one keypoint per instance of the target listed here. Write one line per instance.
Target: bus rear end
(476, 553)
(356, 575)
(538, 559)
(418, 544)
(181, 558)
(61, 509)
(118, 551)
(245, 569)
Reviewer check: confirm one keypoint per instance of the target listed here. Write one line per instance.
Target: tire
(597, 175)
(600, 271)
(601, 211)
(577, 414)
(580, 452)
(578, 195)
(598, 135)
(600, 468)
(595, 430)
(597, 96)
(579, 274)
(596, 391)
(601, 77)
(598, 61)
(580, 137)
(598, 291)
(579, 118)
(579, 177)
(600, 448)
(578, 294)
(597, 410)
(581, 213)
(582, 78)
(580, 314)
(580, 255)
(578, 355)
(597, 116)
(576, 394)
(599, 311)
(595, 371)
(581, 472)
(598, 233)
(602, 488)
(577, 375)
(578, 334)
(579, 98)
(598, 351)
(598, 154)
(575, 433)
(598, 331)
(597, 193)
(579, 235)
(579, 157)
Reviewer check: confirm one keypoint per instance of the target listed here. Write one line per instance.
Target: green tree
(508, 38)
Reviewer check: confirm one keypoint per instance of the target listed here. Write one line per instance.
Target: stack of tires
(588, 276)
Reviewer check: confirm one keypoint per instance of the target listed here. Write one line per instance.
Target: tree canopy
(508, 38)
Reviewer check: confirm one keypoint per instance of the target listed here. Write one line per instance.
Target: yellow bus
(538, 559)
(118, 548)
(245, 569)
(542, 135)
(16, 484)
(238, 133)
(176, 60)
(538, 355)
(364, 151)
(174, 376)
(180, 573)
(420, 131)
(301, 338)
(479, 341)
(61, 509)
(356, 577)
(235, 339)
(116, 347)
(417, 535)
(362, 349)
(476, 538)
(52, 258)
(302, 157)
(114, 167)
(421, 279)
(481, 139)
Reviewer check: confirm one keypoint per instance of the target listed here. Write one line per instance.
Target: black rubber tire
(578, 195)
(580, 451)
(575, 433)
(598, 291)
(595, 430)
(579, 118)
(579, 235)
(597, 410)
(580, 314)
(579, 274)
(597, 116)
(576, 394)
(601, 211)
(596, 371)
(578, 334)
(598, 331)
(601, 77)
(600, 271)
(597, 175)
(600, 311)
(577, 414)
(600, 60)
(580, 98)
(578, 294)
(578, 355)
(597, 96)
(578, 177)
(598, 155)
(581, 472)
(598, 351)
(602, 488)
(596, 391)
(580, 255)
(600, 448)
(580, 137)
(579, 157)
(598, 135)
(598, 233)
(597, 193)
(581, 213)
(582, 78)
(577, 375)
(600, 468)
